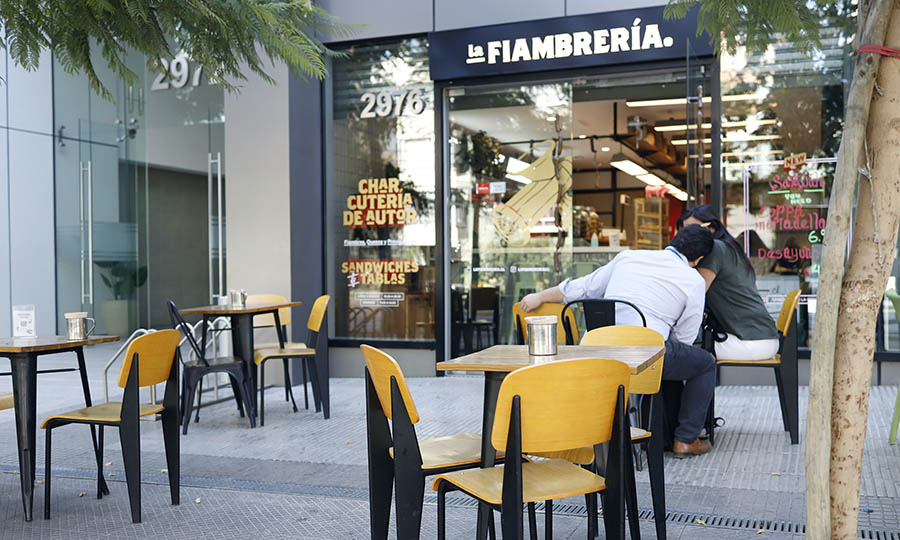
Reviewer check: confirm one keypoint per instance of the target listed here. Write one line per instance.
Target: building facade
(456, 158)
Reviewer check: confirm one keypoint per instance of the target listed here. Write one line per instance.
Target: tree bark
(821, 377)
(862, 290)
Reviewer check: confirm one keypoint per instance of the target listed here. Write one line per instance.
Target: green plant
(122, 278)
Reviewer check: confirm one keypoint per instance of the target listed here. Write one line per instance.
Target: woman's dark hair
(705, 214)
(693, 241)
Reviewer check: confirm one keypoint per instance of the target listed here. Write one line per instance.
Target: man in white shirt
(670, 293)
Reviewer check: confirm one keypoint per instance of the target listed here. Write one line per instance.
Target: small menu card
(23, 321)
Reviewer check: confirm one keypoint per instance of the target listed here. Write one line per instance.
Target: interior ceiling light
(651, 179)
(679, 194)
(604, 149)
(682, 142)
(708, 125)
(683, 101)
(627, 166)
(751, 153)
(745, 138)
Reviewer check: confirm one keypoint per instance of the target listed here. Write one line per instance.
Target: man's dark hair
(693, 241)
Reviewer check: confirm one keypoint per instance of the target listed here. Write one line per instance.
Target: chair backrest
(484, 299)
(647, 381)
(317, 313)
(381, 368)
(598, 312)
(787, 311)
(179, 323)
(546, 309)
(156, 352)
(565, 404)
(267, 319)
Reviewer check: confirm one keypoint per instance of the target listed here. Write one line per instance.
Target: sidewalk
(304, 477)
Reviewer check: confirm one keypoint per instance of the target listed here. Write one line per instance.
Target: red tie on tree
(878, 49)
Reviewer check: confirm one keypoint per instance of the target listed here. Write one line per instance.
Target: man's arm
(534, 300)
(688, 325)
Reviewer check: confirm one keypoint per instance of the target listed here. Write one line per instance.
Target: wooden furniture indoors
(149, 360)
(286, 351)
(23, 356)
(396, 455)
(785, 365)
(651, 223)
(547, 408)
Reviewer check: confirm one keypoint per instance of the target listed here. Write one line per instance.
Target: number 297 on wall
(397, 103)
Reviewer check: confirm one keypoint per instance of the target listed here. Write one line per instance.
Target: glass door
(510, 215)
(697, 111)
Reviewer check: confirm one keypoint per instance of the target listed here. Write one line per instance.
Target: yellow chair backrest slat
(381, 368)
(647, 381)
(267, 319)
(787, 311)
(547, 309)
(317, 314)
(156, 352)
(564, 404)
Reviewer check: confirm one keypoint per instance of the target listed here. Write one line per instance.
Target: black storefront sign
(618, 37)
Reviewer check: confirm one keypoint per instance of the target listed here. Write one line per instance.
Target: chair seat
(450, 451)
(6, 401)
(221, 361)
(585, 456)
(541, 481)
(287, 345)
(260, 355)
(771, 361)
(106, 413)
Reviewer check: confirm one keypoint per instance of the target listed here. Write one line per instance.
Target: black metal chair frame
(613, 498)
(404, 468)
(308, 364)
(193, 373)
(130, 440)
(787, 380)
(598, 312)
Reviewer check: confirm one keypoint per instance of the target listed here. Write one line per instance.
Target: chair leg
(288, 387)
(47, 433)
(191, 383)
(593, 521)
(199, 399)
(99, 461)
(789, 378)
(173, 453)
(892, 439)
(130, 439)
(304, 370)
(241, 383)
(779, 383)
(262, 394)
(314, 382)
(408, 499)
(237, 397)
(532, 521)
(442, 511)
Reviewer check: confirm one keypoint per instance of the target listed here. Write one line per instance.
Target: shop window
(380, 195)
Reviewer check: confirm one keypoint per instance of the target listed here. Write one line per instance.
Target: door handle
(209, 204)
(90, 236)
(81, 171)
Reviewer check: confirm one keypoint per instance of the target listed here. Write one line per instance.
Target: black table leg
(242, 339)
(24, 379)
(492, 381)
(86, 388)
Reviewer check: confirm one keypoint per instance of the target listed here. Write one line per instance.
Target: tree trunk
(871, 260)
(821, 377)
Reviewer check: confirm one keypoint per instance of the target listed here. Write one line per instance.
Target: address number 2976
(384, 104)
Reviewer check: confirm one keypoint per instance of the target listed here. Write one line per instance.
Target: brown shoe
(696, 448)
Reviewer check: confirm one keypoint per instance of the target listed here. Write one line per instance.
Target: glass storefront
(380, 225)
(138, 194)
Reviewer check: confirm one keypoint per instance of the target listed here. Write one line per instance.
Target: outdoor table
(497, 361)
(242, 339)
(23, 354)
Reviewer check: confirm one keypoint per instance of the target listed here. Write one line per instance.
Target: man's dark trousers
(697, 368)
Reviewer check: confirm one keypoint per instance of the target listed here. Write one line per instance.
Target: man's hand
(530, 302)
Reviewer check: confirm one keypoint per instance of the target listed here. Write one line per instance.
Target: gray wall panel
(30, 104)
(581, 7)
(31, 217)
(393, 18)
(5, 315)
(450, 14)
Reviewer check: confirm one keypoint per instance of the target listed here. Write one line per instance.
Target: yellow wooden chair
(6, 401)
(150, 360)
(305, 351)
(784, 363)
(547, 309)
(550, 408)
(645, 383)
(395, 453)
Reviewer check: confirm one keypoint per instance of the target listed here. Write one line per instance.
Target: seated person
(731, 295)
(666, 288)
